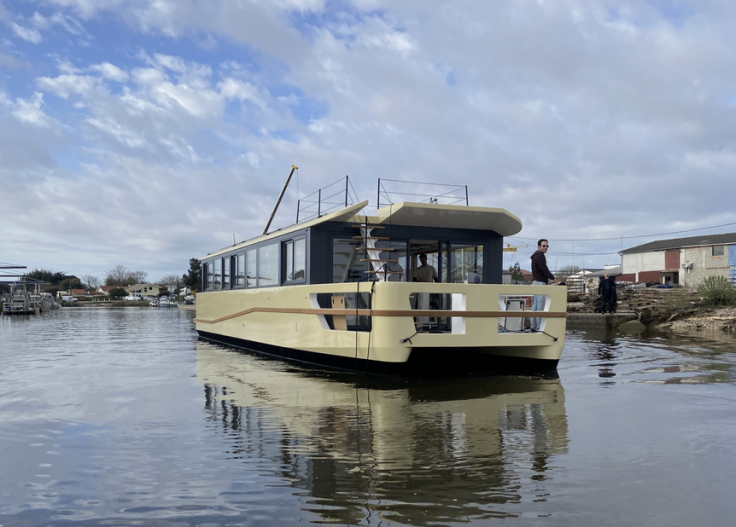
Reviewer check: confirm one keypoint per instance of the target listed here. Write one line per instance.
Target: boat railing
(325, 200)
(392, 191)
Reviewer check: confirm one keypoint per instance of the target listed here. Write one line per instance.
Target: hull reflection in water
(409, 451)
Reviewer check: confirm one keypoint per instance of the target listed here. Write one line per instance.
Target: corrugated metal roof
(679, 243)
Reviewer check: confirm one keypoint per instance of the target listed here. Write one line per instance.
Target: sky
(145, 133)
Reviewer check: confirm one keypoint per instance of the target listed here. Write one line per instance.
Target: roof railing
(420, 192)
(325, 200)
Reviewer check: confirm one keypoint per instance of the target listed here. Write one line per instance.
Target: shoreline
(710, 318)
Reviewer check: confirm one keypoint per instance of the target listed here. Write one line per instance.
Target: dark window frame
(287, 266)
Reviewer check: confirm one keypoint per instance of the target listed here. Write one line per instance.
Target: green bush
(717, 291)
(118, 293)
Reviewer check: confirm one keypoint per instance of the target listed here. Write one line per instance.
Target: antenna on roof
(278, 201)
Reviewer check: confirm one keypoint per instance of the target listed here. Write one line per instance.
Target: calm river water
(122, 417)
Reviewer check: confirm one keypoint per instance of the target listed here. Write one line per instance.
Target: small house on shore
(681, 261)
(143, 290)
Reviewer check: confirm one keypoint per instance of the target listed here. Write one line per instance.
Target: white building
(684, 261)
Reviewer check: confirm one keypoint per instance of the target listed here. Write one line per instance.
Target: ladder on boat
(382, 267)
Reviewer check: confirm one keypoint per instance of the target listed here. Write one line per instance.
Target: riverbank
(723, 319)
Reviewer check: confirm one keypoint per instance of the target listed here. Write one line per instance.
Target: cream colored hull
(288, 321)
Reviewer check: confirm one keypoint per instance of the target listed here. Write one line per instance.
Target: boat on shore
(340, 291)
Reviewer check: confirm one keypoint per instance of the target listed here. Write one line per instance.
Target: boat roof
(344, 214)
(449, 216)
(409, 214)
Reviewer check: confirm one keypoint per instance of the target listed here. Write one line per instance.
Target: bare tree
(138, 277)
(118, 275)
(566, 271)
(92, 282)
(169, 279)
(121, 276)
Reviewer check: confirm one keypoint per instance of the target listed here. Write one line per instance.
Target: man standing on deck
(540, 276)
(425, 272)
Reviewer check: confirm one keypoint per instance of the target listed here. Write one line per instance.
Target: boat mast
(278, 201)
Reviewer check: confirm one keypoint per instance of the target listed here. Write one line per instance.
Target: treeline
(119, 276)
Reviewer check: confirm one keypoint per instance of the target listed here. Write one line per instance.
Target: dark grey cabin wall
(320, 256)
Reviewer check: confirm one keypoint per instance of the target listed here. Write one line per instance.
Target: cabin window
(208, 277)
(288, 261)
(218, 273)
(239, 270)
(268, 265)
(226, 273)
(251, 279)
(464, 259)
(430, 249)
(718, 250)
(295, 260)
(300, 259)
(346, 261)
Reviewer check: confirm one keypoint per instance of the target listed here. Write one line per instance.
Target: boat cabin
(462, 243)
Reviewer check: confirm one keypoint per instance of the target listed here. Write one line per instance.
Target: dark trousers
(609, 304)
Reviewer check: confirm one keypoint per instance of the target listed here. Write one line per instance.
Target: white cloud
(110, 71)
(27, 111)
(28, 34)
(67, 85)
(571, 114)
(244, 91)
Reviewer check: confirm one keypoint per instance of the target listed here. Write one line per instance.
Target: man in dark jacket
(607, 290)
(540, 276)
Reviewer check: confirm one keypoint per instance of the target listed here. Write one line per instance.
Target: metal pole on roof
(278, 201)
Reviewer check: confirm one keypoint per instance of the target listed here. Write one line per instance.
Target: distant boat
(20, 303)
(165, 301)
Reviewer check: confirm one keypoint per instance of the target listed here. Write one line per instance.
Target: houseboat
(20, 302)
(342, 290)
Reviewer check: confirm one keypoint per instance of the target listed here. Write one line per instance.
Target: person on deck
(541, 275)
(425, 272)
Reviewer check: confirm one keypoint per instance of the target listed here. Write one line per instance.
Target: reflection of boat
(420, 450)
(337, 290)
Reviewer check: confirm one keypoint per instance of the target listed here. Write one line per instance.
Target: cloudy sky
(144, 133)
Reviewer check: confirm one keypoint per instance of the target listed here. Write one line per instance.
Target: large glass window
(398, 266)
(289, 261)
(424, 270)
(210, 277)
(268, 265)
(218, 273)
(226, 273)
(295, 260)
(251, 268)
(346, 261)
(300, 259)
(465, 259)
(239, 270)
(388, 261)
